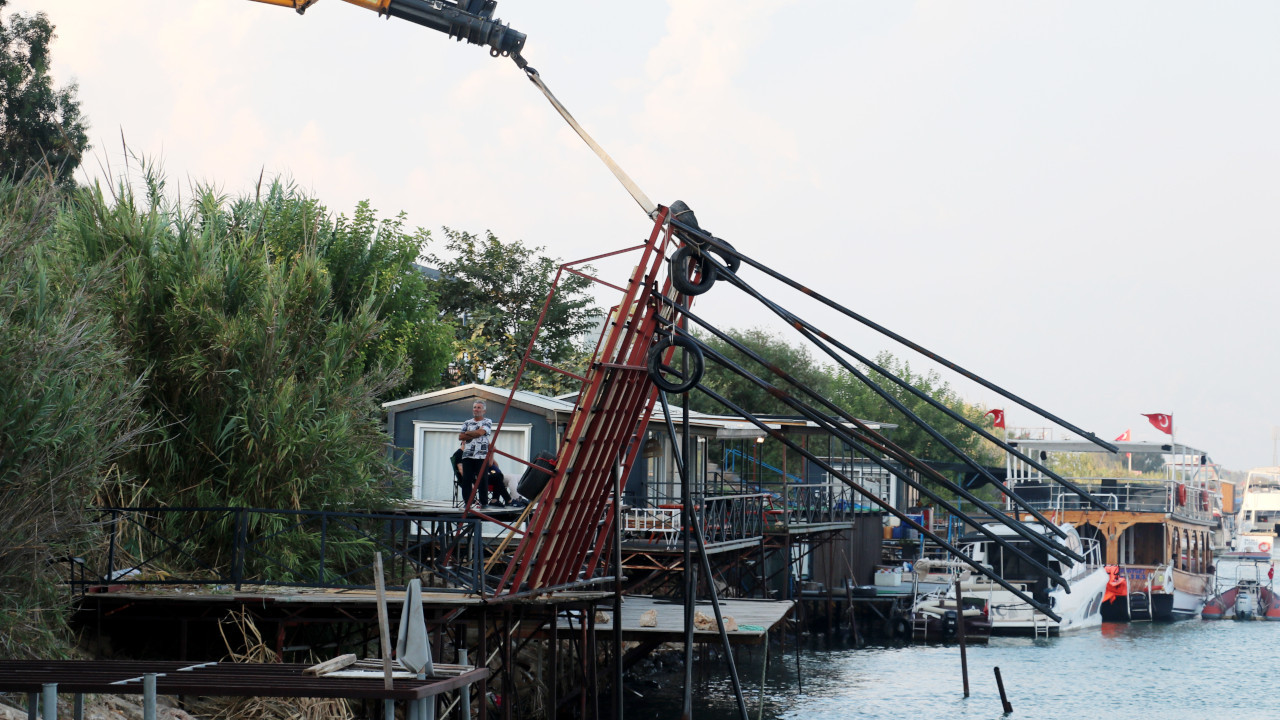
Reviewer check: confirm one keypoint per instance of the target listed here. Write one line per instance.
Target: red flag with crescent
(1125, 436)
(997, 418)
(1162, 422)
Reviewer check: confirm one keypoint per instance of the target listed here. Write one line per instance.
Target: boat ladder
(919, 626)
(1039, 628)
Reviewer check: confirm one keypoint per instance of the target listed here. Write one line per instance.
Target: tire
(680, 267)
(697, 364)
(731, 261)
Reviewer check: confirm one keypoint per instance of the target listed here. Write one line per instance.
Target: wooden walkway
(755, 619)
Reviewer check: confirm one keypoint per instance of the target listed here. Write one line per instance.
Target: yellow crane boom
(470, 20)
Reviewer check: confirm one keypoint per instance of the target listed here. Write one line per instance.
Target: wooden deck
(754, 617)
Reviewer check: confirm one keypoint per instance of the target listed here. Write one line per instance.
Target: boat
(934, 618)
(1077, 603)
(1250, 594)
(1258, 521)
(1157, 529)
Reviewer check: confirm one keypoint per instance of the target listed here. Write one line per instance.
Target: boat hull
(1243, 602)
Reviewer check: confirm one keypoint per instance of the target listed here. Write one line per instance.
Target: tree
(38, 123)
(259, 392)
(493, 293)
(796, 360)
(854, 395)
(68, 410)
(365, 258)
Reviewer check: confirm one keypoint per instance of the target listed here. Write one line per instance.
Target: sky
(1079, 201)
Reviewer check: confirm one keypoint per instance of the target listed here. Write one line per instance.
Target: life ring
(1182, 494)
(1264, 546)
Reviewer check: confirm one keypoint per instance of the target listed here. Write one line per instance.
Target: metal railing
(724, 518)
(231, 548)
(1154, 496)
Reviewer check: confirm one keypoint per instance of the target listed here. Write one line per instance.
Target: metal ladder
(1037, 627)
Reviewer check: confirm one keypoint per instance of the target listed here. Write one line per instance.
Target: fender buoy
(1182, 494)
(1204, 499)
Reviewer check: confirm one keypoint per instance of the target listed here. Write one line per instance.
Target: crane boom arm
(470, 20)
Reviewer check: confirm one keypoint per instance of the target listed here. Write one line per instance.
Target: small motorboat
(1251, 597)
(934, 619)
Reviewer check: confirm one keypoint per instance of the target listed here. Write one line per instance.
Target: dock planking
(765, 614)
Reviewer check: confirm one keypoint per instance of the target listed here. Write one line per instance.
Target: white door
(434, 443)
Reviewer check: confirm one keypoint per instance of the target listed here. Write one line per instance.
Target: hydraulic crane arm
(470, 20)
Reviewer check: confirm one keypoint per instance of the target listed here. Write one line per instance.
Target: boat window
(1015, 569)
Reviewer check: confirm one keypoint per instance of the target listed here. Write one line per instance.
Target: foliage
(796, 360)
(259, 391)
(68, 407)
(364, 258)
(493, 293)
(854, 395)
(38, 123)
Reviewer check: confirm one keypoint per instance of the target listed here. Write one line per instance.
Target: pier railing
(1154, 496)
(723, 518)
(232, 548)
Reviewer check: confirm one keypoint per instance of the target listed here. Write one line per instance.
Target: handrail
(237, 547)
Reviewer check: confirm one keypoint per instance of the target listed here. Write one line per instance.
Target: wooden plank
(384, 625)
(331, 665)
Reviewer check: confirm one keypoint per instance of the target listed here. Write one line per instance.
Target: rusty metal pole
(1004, 699)
(964, 660)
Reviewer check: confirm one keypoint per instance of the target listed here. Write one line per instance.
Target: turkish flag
(998, 415)
(1162, 422)
(1125, 436)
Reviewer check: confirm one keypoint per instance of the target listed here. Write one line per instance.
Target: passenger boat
(1078, 603)
(1157, 530)
(1258, 521)
(1250, 594)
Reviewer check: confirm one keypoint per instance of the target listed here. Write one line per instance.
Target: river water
(1191, 669)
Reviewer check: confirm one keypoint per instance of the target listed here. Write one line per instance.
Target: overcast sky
(1079, 201)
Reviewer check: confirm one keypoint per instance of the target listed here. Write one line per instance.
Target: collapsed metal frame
(696, 268)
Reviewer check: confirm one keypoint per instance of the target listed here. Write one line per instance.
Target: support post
(964, 660)
(149, 696)
(1004, 699)
(49, 703)
(464, 703)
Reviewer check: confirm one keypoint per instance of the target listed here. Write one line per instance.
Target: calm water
(1191, 669)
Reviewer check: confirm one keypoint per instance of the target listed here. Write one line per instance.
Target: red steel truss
(569, 528)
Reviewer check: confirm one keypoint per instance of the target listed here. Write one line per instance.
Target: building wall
(542, 429)
(852, 554)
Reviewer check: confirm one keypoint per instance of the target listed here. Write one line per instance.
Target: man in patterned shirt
(476, 433)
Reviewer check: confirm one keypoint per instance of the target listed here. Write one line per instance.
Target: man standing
(476, 433)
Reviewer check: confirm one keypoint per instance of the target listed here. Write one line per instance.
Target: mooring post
(388, 709)
(1004, 699)
(49, 704)
(33, 705)
(149, 696)
(764, 672)
(77, 711)
(964, 660)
